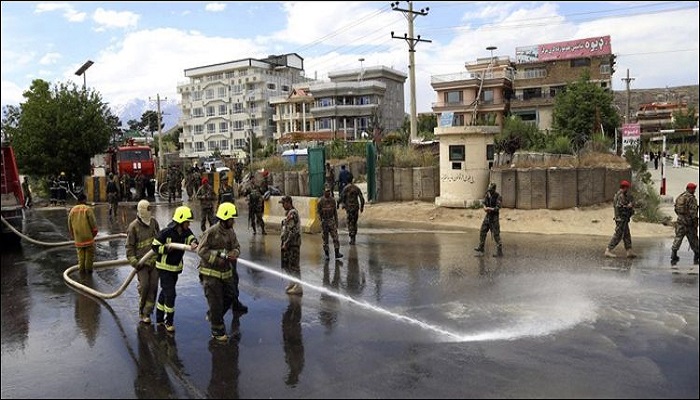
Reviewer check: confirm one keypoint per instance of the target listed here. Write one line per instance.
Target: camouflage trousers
(290, 261)
(329, 227)
(352, 216)
(493, 225)
(220, 294)
(207, 215)
(622, 233)
(686, 231)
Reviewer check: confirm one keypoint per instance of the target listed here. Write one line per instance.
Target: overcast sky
(141, 49)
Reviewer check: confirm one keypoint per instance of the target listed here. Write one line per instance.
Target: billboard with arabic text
(590, 47)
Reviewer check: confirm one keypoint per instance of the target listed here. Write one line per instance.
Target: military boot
(674, 257)
(479, 248)
(630, 254)
(352, 239)
(499, 252)
(695, 259)
(337, 254)
(609, 253)
(325, 251)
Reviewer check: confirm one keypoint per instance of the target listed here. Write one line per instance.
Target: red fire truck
(12, 196)
(132, 158)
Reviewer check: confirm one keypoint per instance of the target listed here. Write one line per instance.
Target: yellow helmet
(182, 214)
(226, 211)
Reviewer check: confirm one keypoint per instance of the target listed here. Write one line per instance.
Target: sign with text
(446, 118)
(589, 47)
(630, 135)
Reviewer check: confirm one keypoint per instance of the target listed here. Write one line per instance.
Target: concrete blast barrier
(532, 188)
(561, 188)
(423, 185)
(303, 179)
(291, 183)
(590, 186)
(386, 184)
(306, 207)
(403, 184)
(505, 180)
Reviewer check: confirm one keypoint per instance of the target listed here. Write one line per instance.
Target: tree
(149, 122)
(582, 109)
(684, 119)
(517, 135)
(58, 129)
(426, 126)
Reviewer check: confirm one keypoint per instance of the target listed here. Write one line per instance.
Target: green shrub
(406, 157)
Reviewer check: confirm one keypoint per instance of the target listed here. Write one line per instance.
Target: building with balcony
(492, 88)
(224, 104)
(479, 96)
(347, 106)
(544, 70)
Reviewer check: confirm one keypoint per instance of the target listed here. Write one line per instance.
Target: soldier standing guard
(492, 205)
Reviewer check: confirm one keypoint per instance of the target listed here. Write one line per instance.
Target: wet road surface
(416, 315)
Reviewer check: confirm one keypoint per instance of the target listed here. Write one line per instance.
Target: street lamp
(359, 77)
(81, 71)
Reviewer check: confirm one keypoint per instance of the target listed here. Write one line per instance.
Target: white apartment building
(344, 108)
(223, 104)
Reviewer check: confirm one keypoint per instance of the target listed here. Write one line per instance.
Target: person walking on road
(206, 197)
(686, 207)
(139, 237)
(623, 203)
(218, 257)
(492, 206)
(290, 244)
(256, 208)
(327, 210)
(169, 263)
(344, 178)
(82, 228)
(354, 203)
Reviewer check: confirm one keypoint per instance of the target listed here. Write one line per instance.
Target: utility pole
(411, 16)
(161, 150)
(628, 80)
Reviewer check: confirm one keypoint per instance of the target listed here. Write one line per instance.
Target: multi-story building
(224, 104)
(494, 87)
(344, 108)
(479, 96)
(544, 70)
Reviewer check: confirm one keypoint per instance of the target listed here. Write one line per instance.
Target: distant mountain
(135, 108)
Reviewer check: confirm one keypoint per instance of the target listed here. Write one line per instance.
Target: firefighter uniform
(169, 263)
(139, 238)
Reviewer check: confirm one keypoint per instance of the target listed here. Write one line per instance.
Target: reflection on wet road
(406, 313)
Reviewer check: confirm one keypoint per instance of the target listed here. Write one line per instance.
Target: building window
(532, 93)
(198, 129)
(453, 97)
(197, 112)
(580, 62)
(325, 102)
(210, 111)
(238, 125)
(196, 96)
(285, 88)
(487, 96)
(199, 146)
(213, 145)
(222, 92)
(324, 123)
(210, 94)
(532, 73)
(223, 145)
(222, 109)
(237, 108)
(211, 128)
(605, 69)
(239, 143)
(223, 127)
(271, 86)
(456, 153)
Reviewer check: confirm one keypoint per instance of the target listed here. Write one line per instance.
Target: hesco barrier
(306, 207)
(423, 184)
(561, 188)
(386, 184)
(532, 188)
(403, 184)
(590, 186)
(505, 185)
(291, 183)
(612, 181)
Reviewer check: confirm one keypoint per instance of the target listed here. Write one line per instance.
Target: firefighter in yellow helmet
(218, 253)
(169, 263)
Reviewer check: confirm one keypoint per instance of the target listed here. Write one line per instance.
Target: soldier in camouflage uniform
(226, 194)
(492, 206)
(173, 183)
(256, 208)
(206, 198)
(623, 202)
(291, 244)
(686, 207)
(354, 203)
(139, 237)
(327, 210)
(218, 252)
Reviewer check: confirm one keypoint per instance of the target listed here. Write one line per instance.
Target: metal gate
(317, 163)
(371, 172)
